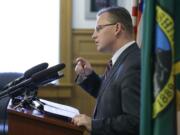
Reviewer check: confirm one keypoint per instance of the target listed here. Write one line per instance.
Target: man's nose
(94, 35)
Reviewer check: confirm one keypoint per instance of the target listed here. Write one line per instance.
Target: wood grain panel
(66, 83)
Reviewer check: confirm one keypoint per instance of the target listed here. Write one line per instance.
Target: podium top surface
(41, 117)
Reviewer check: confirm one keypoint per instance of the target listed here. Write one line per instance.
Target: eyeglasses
(100, 27)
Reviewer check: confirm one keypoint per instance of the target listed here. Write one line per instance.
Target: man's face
(104, 34)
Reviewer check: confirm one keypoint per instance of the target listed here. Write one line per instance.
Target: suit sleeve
(91, 83)
(128, 121)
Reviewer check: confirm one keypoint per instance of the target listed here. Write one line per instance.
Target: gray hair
(119, 14)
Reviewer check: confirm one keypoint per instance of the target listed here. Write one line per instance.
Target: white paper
(59, 109)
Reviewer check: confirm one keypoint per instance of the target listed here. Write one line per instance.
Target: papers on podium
(59, 110)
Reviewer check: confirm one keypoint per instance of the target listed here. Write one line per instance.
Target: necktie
(108, 68)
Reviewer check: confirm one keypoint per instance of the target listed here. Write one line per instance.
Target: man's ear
(119, 28)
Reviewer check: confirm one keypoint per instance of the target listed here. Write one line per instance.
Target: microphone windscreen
(35, 69)
(47, 73)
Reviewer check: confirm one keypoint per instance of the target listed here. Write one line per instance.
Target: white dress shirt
(119, 51)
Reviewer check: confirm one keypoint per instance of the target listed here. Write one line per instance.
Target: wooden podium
(25, 122)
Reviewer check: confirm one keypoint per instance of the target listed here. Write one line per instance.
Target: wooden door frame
(66, 40)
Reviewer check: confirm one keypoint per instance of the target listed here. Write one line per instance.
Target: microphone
(50, 73)
(35, 69)
(36, 80)
(27, 74)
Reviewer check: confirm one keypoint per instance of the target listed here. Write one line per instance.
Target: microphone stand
(26, 100)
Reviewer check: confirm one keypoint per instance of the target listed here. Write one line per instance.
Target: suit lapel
(115, 68)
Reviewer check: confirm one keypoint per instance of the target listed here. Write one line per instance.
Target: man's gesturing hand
(83, 67)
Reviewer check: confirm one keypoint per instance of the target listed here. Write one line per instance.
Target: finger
(74, 121)
(80, 63)
(77, 116)
(79, 69)
(81, 115)
(78, 121)
(82, 60)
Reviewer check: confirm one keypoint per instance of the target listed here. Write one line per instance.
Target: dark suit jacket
(118, 97)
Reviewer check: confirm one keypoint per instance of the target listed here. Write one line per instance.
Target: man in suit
(118, 90)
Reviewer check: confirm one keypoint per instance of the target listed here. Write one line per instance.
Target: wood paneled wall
(66, 84)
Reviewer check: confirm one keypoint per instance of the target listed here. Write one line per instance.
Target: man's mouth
(96, 42)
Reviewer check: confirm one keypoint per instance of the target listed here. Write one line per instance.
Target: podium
(29, 122)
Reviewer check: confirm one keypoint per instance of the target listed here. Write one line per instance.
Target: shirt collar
(119, 51)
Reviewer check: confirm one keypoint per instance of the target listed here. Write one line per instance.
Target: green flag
(146, 75)
(177, 57)
(158, 112)
(177, 44)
